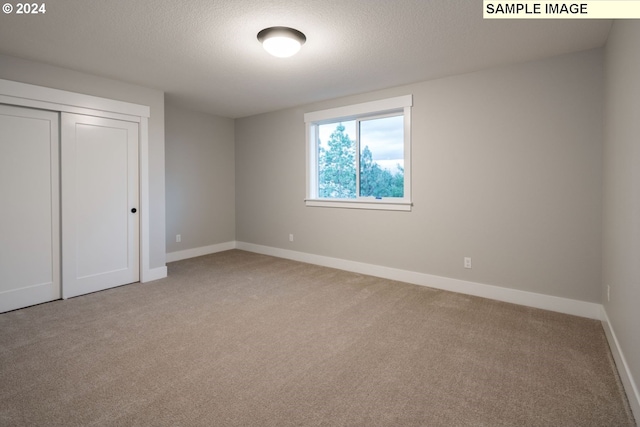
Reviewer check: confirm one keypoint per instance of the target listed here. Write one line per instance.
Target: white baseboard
(204, 250)
(530, 299)
(628, 381)
(154, 274)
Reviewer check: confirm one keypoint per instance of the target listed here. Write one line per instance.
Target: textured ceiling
(204, 53)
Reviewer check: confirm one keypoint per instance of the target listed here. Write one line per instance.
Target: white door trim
(27, 95)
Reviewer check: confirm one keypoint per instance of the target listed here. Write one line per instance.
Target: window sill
(381, 205)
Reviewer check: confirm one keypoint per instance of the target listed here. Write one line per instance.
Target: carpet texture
(241, 339)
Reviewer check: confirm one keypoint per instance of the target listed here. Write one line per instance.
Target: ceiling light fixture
(281, 41)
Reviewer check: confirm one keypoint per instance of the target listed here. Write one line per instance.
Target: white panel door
(29, 207)
(100, 226)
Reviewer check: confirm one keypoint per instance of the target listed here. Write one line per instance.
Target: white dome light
(281, 41)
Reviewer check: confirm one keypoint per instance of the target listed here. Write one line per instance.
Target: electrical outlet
(608, 293)
(291, 237)
(467, 262)
(178, 238)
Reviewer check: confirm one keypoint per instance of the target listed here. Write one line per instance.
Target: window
(358, 156)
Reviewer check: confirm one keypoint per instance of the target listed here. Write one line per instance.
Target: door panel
(100, 245)
(29, 216)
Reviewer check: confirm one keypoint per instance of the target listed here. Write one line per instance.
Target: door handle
(134, 210)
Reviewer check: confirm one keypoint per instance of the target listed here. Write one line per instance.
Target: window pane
(337, 160)
(382, 157)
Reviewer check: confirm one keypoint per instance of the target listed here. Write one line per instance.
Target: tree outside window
(381, 156)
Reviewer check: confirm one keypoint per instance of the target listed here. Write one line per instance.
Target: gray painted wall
(506, 170)
(621, 231)
(40, 74)
(200, 173)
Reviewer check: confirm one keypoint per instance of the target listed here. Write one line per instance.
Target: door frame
(27, 95)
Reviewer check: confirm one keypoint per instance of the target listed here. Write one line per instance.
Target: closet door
(100, 225)
(29, 212)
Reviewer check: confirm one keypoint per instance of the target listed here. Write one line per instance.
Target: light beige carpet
(240, 339)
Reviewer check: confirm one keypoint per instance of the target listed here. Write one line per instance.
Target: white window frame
(367, 110)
